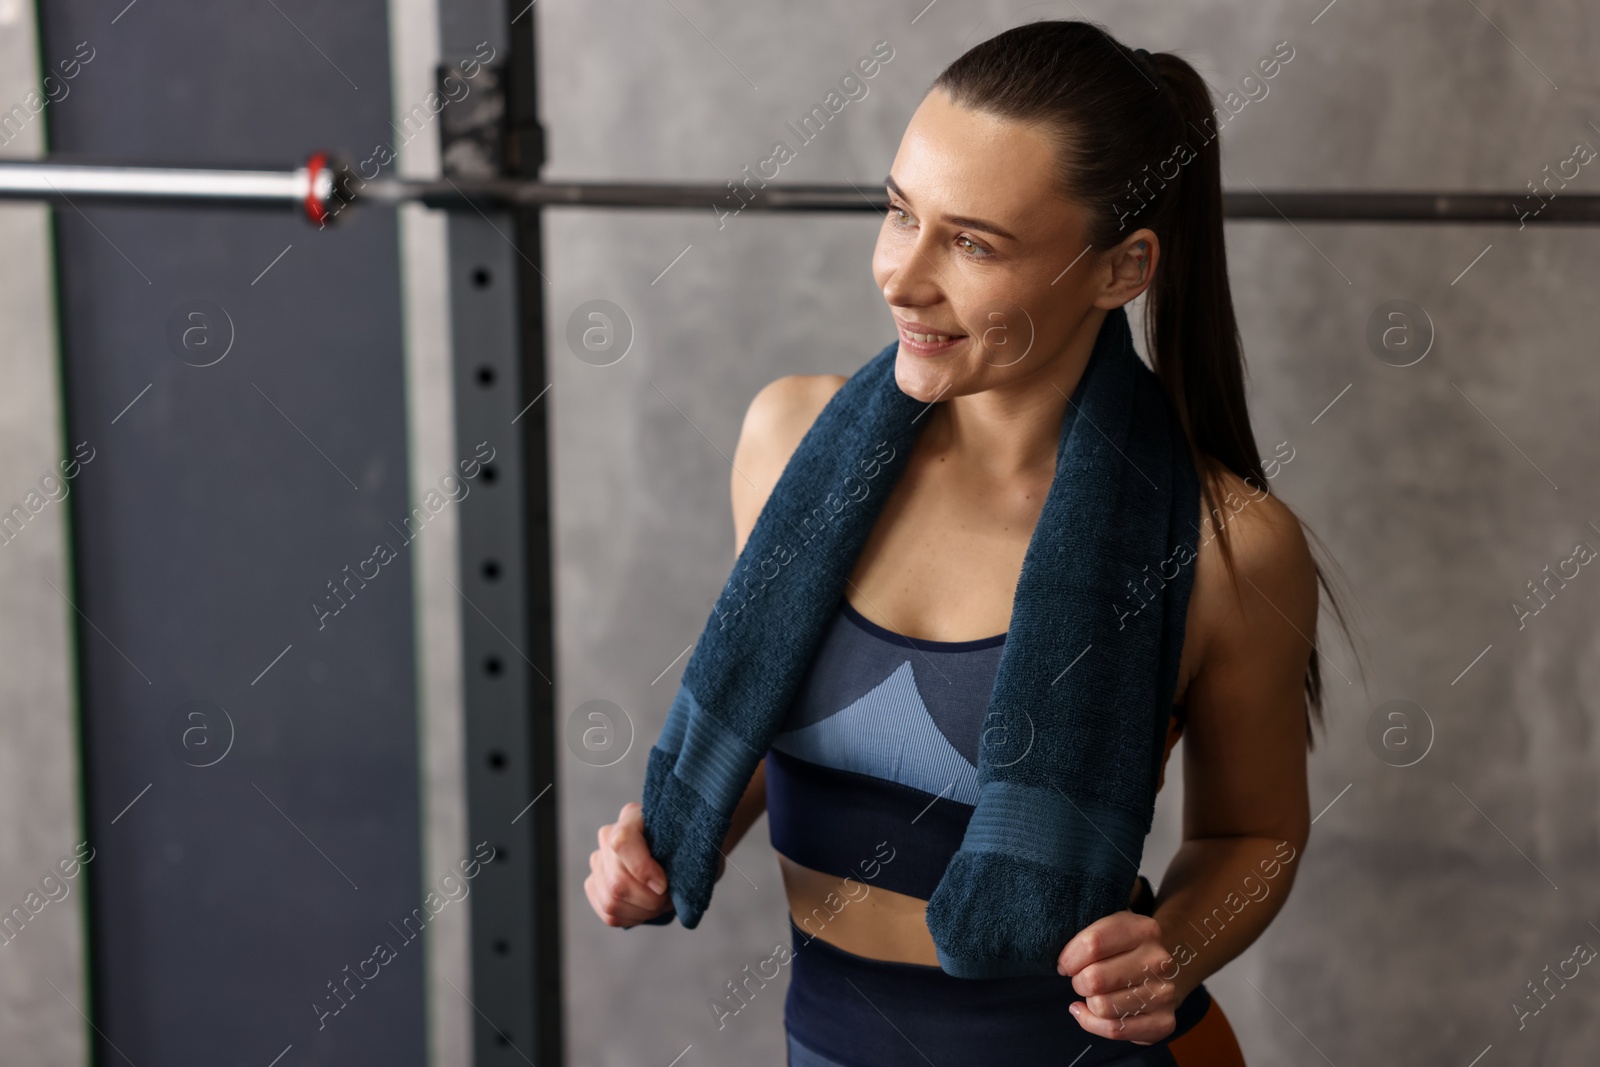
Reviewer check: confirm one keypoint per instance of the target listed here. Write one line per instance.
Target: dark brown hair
(1138, 148)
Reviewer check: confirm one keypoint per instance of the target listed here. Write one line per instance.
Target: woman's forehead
(974, 163)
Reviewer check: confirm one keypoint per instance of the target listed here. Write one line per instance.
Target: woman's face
(979, 246)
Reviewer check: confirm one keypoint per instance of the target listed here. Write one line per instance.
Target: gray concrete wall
(1428, 896)
(414, 42)
(43, 980)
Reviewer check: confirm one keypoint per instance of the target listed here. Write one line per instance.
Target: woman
(1049, 176)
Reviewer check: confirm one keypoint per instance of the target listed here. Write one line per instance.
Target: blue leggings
(845, 1010)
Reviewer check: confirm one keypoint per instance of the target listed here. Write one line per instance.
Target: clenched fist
(626, 885)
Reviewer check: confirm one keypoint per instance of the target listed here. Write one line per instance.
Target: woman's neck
(1014, 429)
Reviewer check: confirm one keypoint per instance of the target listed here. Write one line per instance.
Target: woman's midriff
(860, 918)
(872, 921)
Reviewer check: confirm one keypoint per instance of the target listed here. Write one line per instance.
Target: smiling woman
(1006, 262)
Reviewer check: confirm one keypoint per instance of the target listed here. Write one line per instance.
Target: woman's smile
(925, 341)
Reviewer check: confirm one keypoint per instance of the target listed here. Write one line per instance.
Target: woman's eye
(976, 251)
(900, 218)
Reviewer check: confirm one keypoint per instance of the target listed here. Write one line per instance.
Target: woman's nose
(913, 279)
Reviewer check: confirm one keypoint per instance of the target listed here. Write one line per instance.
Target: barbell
(324, 186)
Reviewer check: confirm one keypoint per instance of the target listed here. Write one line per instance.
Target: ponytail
(1138, 147)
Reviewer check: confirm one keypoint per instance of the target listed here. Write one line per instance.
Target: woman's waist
(854, 915)
(840, 1003)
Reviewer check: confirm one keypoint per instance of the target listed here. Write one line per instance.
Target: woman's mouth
(926, 342)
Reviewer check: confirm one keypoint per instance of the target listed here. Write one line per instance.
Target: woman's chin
(918, 380)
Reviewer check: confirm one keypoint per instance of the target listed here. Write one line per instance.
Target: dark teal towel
(1068, 769)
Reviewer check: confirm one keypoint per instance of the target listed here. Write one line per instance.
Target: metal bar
(331, 187)
(1310, 206)
(62, 182)
(33, 180)
(1411, 207)
(523, 160)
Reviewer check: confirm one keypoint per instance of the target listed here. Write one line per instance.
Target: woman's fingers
(621, 871)
(1104, 938)
(1141, 1029)
(1117, 963)
(613, 893)
(613, 909)
(625, 885)
(629, 843)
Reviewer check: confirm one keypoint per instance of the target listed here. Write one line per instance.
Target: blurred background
(340, 614)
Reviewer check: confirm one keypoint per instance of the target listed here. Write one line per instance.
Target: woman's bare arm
(1246, 810)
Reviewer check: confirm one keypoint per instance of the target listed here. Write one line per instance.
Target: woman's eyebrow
(955, 220)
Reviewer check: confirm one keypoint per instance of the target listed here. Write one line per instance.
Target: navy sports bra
(873, 773)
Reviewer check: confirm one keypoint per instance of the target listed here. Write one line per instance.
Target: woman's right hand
(626, 885)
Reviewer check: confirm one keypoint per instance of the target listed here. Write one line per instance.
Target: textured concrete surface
(1429, 895)
(38, 726)
(430, 419)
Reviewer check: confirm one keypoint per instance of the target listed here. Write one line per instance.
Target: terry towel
(1078, 716)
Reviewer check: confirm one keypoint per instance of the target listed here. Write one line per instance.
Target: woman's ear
(1132, 265)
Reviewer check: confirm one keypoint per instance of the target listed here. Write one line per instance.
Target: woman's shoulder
(775, 422)
(1262, 530)
(1273, 578)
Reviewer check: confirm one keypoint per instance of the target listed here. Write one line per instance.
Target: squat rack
(491, 187)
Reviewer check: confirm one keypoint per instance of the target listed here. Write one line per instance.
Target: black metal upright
(525, 159)
(497, 332)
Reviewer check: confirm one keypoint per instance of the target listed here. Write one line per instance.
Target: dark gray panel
(497, 291)
(216, 509)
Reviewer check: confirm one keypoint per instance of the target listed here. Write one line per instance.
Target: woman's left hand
(1120, 967)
